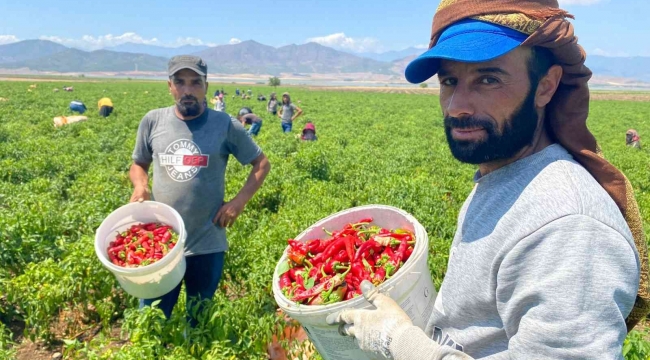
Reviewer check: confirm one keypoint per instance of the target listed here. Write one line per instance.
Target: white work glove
(374, 330)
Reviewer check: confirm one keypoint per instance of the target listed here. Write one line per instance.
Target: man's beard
(189, 110)
(518, 132)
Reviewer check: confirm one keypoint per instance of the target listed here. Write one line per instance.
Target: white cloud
(188, 41)
(421, 46)
(601, 52)
(234, 41)
(8, 39)
(88, 42)
(342, 42)
(578, 2)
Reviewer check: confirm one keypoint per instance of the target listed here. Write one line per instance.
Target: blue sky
(604, 27)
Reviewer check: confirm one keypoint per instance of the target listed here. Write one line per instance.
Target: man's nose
(459, 105)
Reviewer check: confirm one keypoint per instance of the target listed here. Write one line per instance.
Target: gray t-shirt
(189, 165)
(542, 266)
(272, 106)
(287, 112)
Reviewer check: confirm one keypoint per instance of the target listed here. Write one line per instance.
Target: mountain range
(251, 57)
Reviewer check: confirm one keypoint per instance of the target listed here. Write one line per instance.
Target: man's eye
(449, 82)
(489, 80)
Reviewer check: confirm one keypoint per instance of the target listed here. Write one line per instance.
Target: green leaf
(310, 283)
(283, 268)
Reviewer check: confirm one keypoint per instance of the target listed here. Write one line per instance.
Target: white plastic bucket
(411, 287)
(153, 280)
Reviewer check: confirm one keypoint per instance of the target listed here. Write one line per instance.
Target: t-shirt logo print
(183, 160)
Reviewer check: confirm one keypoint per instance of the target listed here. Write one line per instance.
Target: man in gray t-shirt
(288, 113)
(189, 146)
(543, 264)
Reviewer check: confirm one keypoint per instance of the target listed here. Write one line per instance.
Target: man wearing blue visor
(549, 260)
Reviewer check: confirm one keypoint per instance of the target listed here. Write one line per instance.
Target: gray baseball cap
(191, 62)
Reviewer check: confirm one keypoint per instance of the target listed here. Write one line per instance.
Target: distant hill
(74, 60)
(255, 58)
(153, 50)
(637, 67)
(251, 57)
(390, 56)
(400, 65)
(28, 50)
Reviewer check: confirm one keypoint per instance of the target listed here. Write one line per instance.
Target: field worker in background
(246, 117)
(237, 92)
(220, 103)
(216, 93)
(288, 112)
(272, 105)
(309, 132)
(632, 139)
(189, 146)
(105, 106)
(78, 106)
(250, 92)
(549, 250)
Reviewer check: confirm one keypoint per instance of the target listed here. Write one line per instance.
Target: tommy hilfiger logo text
(183, 160)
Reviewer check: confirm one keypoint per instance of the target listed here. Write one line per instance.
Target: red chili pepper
(116, 249)
(341, 256)
(295, 273)
(325, 285)
(366, 246)
(366, 220)
(408, 253)
(379, 276)
(349, 246)
(297, 246)
(330, 251)
(166, 237)
(285, 281)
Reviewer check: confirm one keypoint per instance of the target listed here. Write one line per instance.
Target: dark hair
(541, 60)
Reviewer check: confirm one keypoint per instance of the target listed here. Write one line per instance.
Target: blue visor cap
(465, 41)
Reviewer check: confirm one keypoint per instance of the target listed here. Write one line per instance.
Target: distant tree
(274, 81)
(424, 85)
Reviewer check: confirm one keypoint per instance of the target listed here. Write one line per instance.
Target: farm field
(58, 184)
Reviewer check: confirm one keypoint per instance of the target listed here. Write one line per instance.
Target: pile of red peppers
(326, 271)
(142, 245)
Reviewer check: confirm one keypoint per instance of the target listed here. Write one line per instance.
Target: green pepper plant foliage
(58, 184)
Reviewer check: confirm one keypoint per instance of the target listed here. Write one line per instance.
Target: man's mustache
(189, 98)
(468, 123)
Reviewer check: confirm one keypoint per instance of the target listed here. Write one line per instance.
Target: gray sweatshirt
(542, 266)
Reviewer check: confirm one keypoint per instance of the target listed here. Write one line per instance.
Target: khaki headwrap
(567, 112)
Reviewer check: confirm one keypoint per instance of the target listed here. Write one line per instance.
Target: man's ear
(548, 86)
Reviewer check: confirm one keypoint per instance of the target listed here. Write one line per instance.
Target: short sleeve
(143, 153)
(240, 144)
